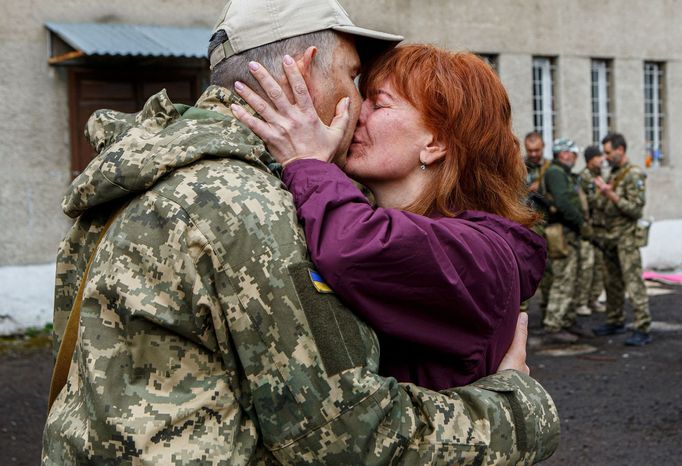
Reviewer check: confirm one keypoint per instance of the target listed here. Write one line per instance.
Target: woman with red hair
(441, 264)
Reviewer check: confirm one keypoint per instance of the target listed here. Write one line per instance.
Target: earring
(423, 167)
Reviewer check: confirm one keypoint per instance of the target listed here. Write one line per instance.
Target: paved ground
(619, 406)
(25, 370)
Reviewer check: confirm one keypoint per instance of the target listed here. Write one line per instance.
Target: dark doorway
(125, 91)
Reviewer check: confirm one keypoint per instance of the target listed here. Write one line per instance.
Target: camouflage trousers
(545, 285)
(561, 306)
(624, 273)
(590, 275)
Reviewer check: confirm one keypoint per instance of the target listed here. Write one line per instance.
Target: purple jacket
(443, 294)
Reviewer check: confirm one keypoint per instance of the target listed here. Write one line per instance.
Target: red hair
(465, 106)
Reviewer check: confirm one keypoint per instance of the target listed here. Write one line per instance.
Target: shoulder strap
(584, 204)
(541, 175)
(68, 344)
(621, 176)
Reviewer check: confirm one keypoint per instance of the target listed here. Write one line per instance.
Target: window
(544, 111)
(490, 59)
(654, 115)
(601, 100)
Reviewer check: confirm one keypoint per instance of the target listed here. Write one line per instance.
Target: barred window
(490, 59)
(544, 105)
(654, 110)
(602, 113)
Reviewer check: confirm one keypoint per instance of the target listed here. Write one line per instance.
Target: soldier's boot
(638, 339)
(578, 330)
(608, 329)
(583, 311)
(596, 306)
(560, 337)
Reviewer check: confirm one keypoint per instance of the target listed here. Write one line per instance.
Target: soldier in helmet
(202, 334)
(565, 226)
(624, 196)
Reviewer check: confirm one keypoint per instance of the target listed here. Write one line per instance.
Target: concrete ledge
(27, 293)
(664, 251)
(26, 297)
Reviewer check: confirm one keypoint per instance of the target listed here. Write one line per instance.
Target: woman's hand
(516, 355)
(291, 131)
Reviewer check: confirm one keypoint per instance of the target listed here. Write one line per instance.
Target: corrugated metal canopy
(94, 39)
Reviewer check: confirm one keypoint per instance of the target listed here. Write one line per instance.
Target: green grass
(32, 338)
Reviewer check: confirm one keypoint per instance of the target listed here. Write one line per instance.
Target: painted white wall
(516, 73)
(574, 99)
(26, 297)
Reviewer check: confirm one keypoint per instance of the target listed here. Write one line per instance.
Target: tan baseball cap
(252, 23)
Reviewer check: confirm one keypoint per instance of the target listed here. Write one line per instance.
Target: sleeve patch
(318, 282)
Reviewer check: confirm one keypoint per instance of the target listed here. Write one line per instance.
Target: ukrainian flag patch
(319, 283)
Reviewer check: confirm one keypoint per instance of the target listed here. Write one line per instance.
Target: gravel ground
(619, 406)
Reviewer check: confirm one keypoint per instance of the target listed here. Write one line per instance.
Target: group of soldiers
(594, 231)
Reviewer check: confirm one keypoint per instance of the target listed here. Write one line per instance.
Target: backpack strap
(545, 166)
(584, 204)
(621, 176)
(68, 344)
(543, 169)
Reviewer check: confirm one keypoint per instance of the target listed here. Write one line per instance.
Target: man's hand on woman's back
(516, 355)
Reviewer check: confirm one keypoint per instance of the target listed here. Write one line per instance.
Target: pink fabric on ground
(668, 278)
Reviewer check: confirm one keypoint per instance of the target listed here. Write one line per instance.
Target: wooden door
(91, 90)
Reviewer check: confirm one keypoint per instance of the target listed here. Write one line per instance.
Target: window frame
(544, 87)
(601, 72)
(655, 111)
(492, 59)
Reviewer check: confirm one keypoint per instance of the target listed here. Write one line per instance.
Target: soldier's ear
(305, 62)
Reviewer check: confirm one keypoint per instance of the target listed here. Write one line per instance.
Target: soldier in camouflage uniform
(565, 209)
(203, 338)
(591, 267)
(623, 200)
(536, 167)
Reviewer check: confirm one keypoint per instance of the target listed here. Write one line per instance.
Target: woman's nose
(364, 109)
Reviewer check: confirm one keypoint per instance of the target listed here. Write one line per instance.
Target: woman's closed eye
(379, 102)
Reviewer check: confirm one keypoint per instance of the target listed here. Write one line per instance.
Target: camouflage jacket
(562, 193)
(621, 218)
(203, 339)
(587, 184)
(535, 172)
